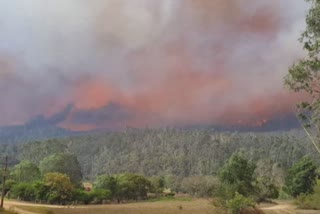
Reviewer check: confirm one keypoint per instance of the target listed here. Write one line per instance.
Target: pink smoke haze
(147, 62)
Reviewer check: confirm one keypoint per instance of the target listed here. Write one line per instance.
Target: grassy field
(38, 210)
(160, 207)
(2, 211)
(199, 206)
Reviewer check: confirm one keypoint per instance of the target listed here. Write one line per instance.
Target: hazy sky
(112, 63)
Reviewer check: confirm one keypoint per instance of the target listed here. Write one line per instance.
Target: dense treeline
(57, 179)
(237, 187)
(58, 188)
(182, 161)
(182, 153)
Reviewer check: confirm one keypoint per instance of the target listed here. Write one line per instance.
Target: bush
(308, 202)
(301, 178)
(41, 191)
(238, 172)
(284, 196)
(170, 194)
(266, 189)
(157, 184)
(24, 191)
(99, 195)
(9, 184)
(305, 201)
(219, 205)
(81, 196)
(123, 187)
(226, 191)
(239, 204)
(108, 183)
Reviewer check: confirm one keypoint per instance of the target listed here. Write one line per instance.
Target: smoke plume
(94, 64)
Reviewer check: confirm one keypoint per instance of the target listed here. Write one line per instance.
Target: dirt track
(287, 208)
(281, 209)
(11, 205)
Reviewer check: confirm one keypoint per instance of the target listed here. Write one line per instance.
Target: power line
(309, 135)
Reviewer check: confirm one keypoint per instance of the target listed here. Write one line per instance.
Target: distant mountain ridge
(42, 128)
(25, 133)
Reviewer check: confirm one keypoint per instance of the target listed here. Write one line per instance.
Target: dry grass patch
(39, 210)
(161, 207)
(3, 211)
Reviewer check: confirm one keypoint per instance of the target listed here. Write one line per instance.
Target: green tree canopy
(301, 177)
(26, 171)
(131, 186)
(124, 186)
(63, 163)
(157, 183)
(108, 183)
(24, 191)
(239, 173)
(304, 75)
(59, 187)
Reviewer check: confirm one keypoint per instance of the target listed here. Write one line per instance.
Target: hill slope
(171, 151)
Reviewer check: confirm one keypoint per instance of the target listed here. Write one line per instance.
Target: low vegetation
(240, 204)
(240, 189)
(311, 201)
(301, 184)
(301, 178)
(57, 188)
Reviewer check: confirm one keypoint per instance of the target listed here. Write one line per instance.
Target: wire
(309, 135)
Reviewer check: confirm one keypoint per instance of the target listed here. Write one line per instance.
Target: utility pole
(4, 181)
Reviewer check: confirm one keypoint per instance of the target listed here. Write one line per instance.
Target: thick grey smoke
(181, 61)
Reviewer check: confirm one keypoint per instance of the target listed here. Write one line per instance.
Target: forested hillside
(27, 133)
(170, 151)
